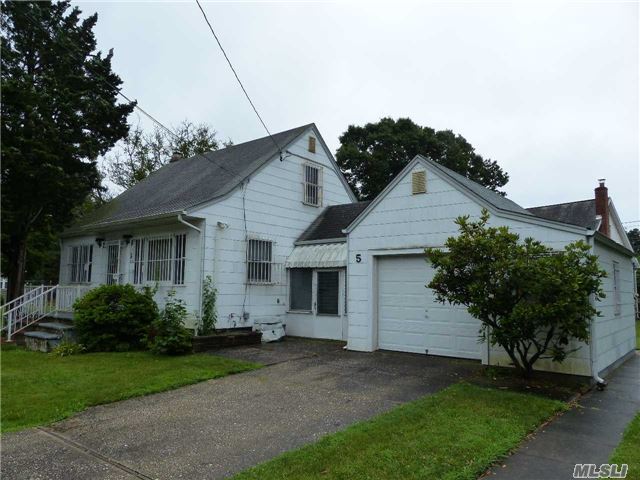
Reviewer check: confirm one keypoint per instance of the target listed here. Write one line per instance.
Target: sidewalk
(586, 434)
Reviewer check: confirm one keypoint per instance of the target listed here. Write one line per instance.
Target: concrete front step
(41, 341)
(46, 335)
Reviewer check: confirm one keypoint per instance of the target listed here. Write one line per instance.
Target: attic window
(312, 144)
(419, 182)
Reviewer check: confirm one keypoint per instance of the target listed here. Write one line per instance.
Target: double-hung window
(80, 259)
(312, 185)
(159, 259)
(259, 261)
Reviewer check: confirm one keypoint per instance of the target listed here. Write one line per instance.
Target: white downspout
(600, 382)
(190, 225)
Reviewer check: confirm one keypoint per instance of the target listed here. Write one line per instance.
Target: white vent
(419, 182)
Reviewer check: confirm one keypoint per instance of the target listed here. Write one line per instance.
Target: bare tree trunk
(17, 263)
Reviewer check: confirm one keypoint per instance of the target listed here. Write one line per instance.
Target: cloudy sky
(549, 90)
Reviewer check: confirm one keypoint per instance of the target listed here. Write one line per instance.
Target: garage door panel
(409, 318)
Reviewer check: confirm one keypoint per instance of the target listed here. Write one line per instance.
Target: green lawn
(39, 388)
(629, 450)
(455, 434)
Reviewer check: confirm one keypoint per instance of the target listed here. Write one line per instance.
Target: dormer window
(312, 144)
(312, 185)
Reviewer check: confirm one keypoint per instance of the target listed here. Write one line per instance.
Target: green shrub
(64, 349)
(167, 335)
(114, 317)
(209, 317)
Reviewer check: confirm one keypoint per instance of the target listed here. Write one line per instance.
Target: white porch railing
(36, 303)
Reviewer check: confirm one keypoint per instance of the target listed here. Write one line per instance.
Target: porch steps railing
(36, 304)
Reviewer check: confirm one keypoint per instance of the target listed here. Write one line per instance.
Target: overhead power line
(238, 78)
(103, 78)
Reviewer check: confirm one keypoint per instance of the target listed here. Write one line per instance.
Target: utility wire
(238, 78)
(81, 55)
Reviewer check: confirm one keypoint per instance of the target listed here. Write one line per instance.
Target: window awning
(323, 255)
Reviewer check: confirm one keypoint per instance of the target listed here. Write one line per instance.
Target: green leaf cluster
(532, 300)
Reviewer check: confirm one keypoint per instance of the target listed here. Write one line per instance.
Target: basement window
(312, 185)
(419, 182)
(80, 259)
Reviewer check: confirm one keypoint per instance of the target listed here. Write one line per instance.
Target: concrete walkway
(217, 428)
(586, 434)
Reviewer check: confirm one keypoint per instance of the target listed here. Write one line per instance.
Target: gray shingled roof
(190, 181)
(332, 221)
(491, 197)
(581, 213)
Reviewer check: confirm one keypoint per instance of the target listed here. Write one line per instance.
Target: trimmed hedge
(114, 318)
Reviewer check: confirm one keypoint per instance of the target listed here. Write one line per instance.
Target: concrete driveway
(220, 427)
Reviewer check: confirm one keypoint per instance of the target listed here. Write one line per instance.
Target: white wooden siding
(273, 200)
(189, 291)
(615, 333)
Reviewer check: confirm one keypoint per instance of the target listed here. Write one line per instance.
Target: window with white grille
(259, 261)
(80, 258)
(137, 246)
(180, 259)
(312, 185)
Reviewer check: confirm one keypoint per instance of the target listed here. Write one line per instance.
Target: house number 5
(358, 258)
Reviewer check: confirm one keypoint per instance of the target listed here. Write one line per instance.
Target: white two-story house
(232, 214)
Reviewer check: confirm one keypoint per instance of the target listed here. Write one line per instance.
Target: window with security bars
(159, 259)
(259, 261)
(80, 259)
(312, 185)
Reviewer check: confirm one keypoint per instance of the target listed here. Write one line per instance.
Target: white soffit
(322, 255)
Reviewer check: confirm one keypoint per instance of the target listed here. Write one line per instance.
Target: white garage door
(410, 321)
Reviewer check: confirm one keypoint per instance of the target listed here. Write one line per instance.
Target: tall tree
(59, 114)
(371, 156)
(634, 238)
(142, 153)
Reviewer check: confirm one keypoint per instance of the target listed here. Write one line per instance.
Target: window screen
(159, 259)
(328, 293)
(300, 288)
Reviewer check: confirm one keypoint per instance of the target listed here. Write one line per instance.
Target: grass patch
(456, 434)
(629, 450)
(39, 388)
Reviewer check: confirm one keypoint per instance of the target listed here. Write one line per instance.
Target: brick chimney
(602, 206)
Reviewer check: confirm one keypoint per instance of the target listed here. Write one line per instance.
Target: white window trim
(85, 269)
(143, 262)
(314, 293)
(305, 185)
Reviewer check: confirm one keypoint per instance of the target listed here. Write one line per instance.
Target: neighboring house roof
(190, 182)
(581, 213)
(330, 223)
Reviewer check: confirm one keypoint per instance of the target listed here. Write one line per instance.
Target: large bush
(532, 300)
(114, 317)
(167, 335)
